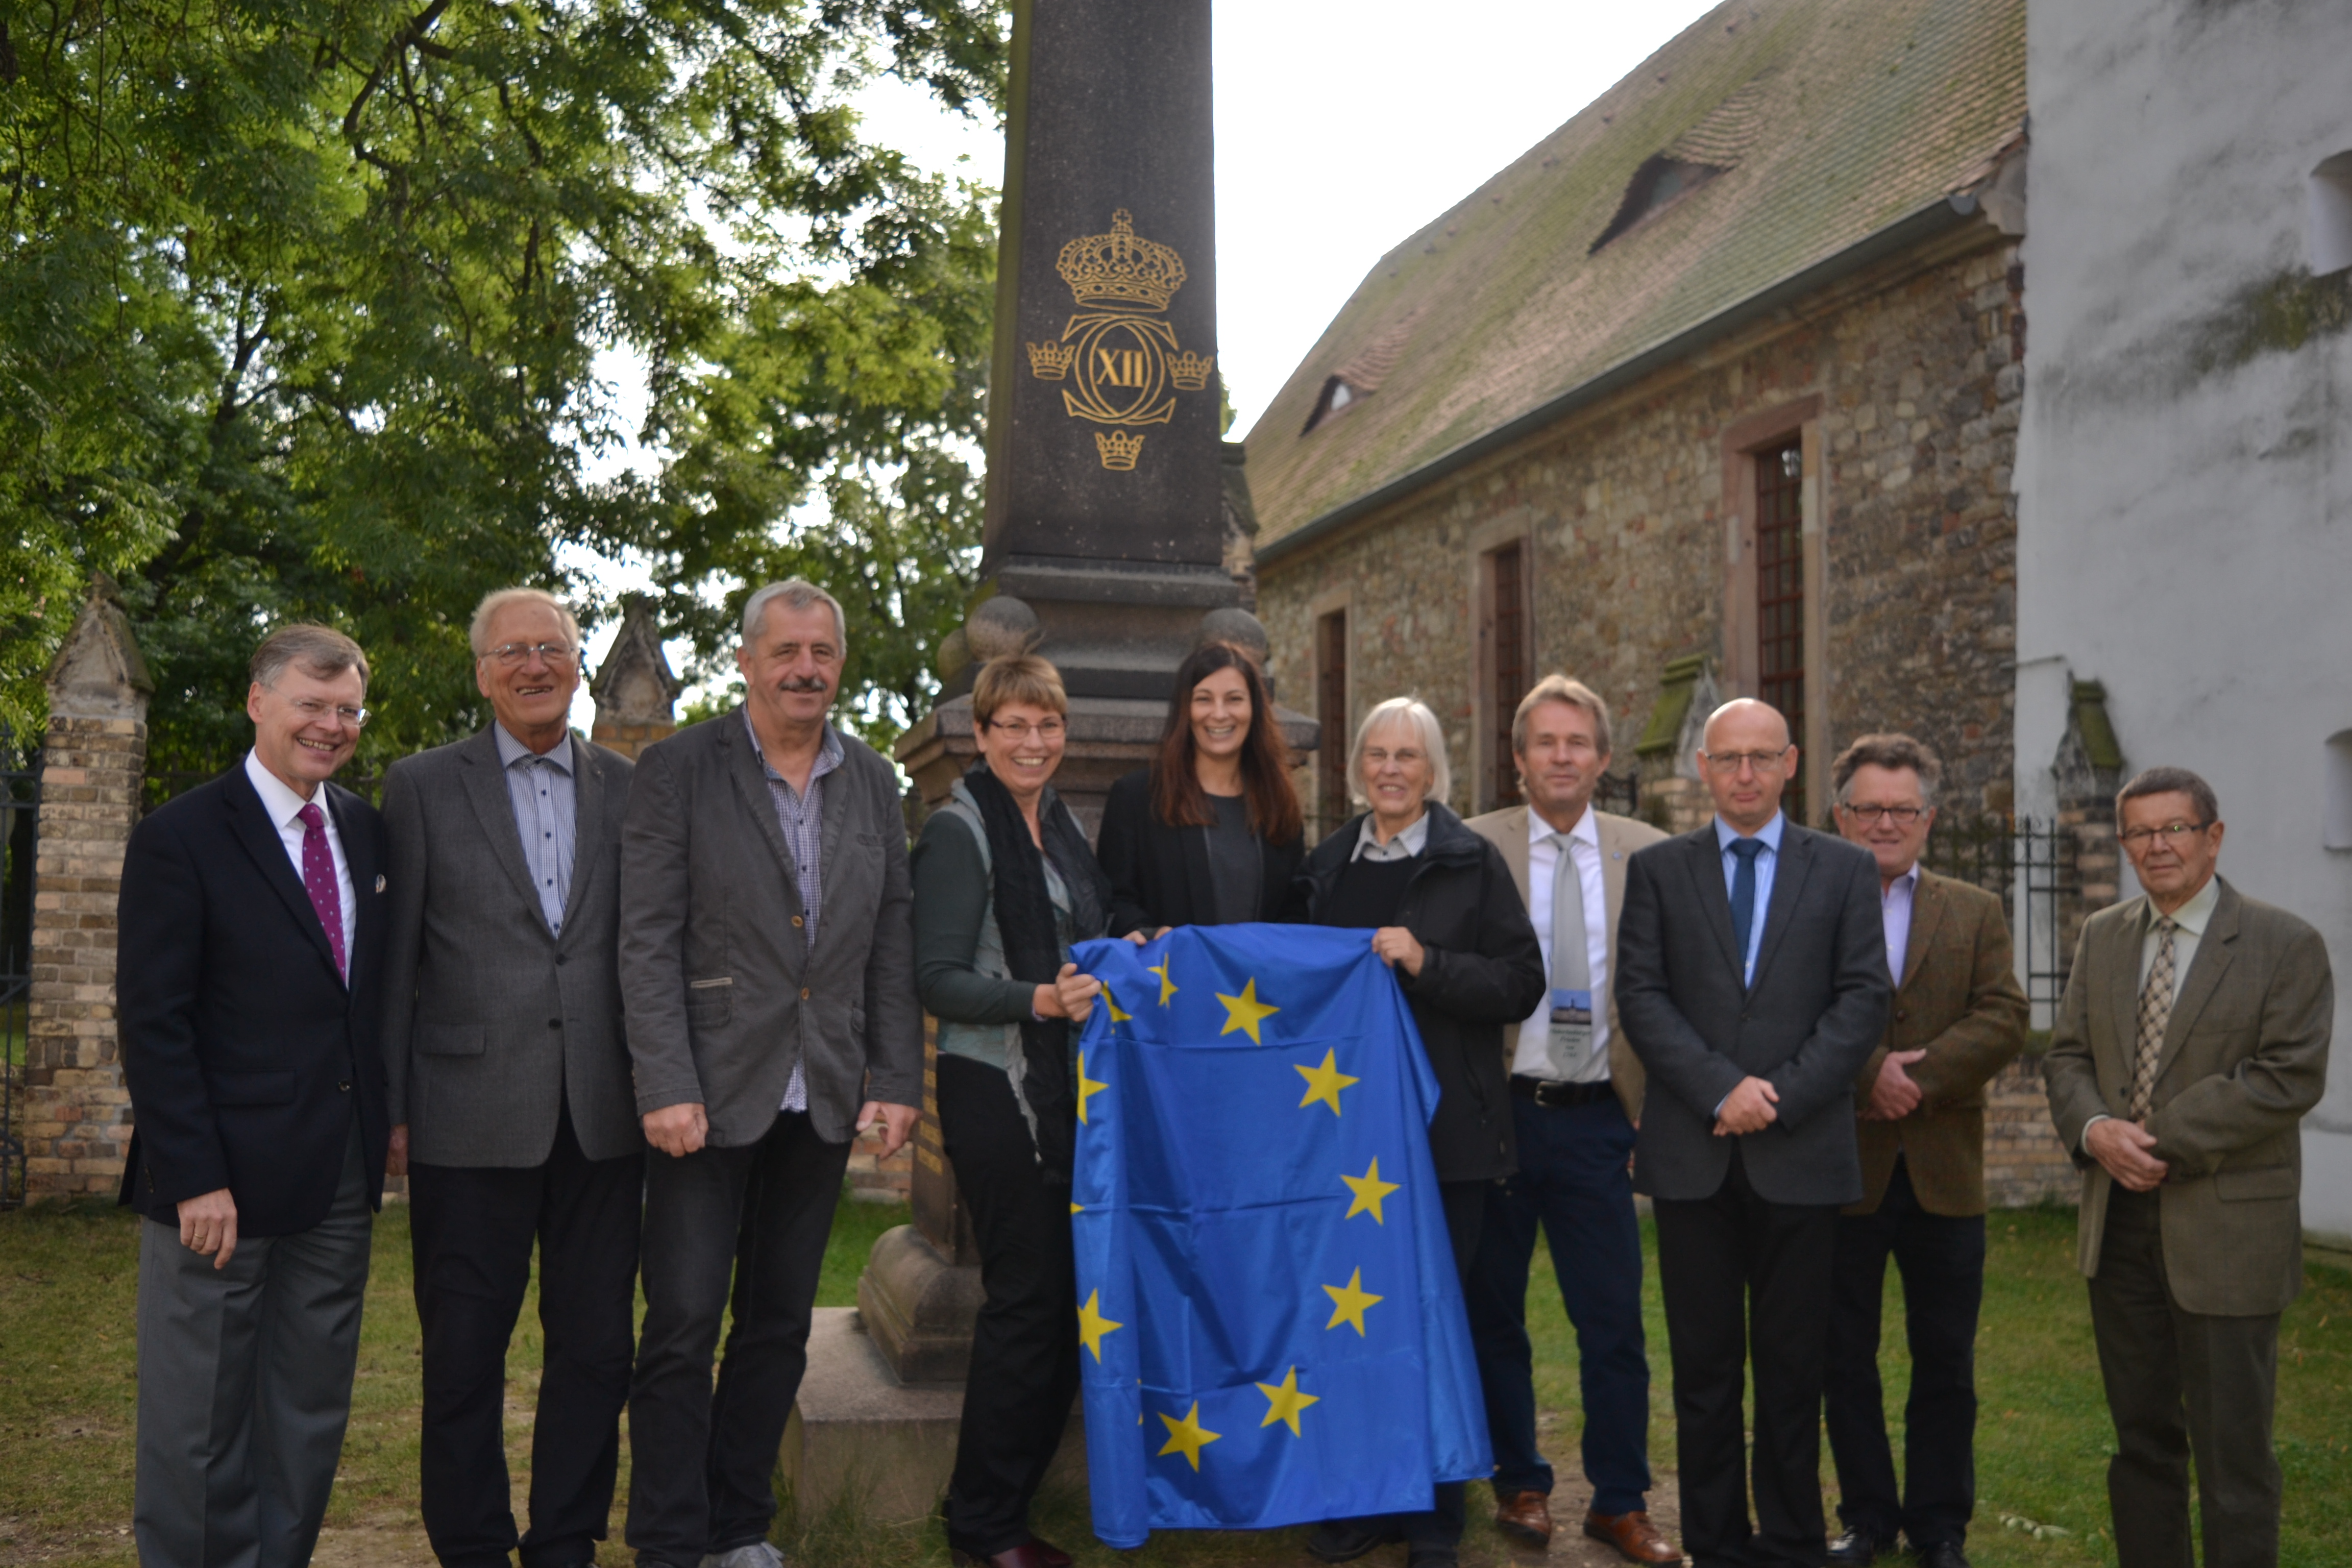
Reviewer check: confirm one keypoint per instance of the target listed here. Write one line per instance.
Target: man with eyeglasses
(512, 1104)
(2191, 1041)
(1958, 1018)
(249, 991)
(1752, 983)
(768, 963)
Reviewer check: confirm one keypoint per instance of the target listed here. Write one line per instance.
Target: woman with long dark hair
(1211, 833)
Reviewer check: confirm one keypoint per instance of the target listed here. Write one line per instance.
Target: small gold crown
(1118, 448)
(1190, 371)
(1051, 362)
(1117, 267)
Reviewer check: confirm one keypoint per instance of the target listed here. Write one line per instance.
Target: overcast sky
(1351, 124)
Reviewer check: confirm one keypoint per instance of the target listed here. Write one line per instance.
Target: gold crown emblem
(1117, 267)
(1051, 362)
(1118, 450)
(1190, 371)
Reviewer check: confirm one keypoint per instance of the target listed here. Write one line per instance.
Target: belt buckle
(1551, 1094)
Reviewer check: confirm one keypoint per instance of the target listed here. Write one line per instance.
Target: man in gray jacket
(767, 958)
(510, 1091)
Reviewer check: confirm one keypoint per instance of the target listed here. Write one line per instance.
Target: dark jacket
(1814, 1015)
(723, 991)
(494, 1025)
(1159, 874)
(245, 1054)
(1484, 970)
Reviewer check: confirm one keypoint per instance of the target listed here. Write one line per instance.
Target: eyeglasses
(1021, 729)
(313, 711)
(1901, 816)
(1762, 762)
(2138, 838)
(514, 653)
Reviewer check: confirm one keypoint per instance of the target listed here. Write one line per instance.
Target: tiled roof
(1833, 120)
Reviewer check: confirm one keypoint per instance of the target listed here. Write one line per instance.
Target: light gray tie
(1571, 965)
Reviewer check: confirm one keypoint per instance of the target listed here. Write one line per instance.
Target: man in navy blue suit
(251, 937)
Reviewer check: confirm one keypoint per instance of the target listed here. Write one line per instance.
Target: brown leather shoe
(1635, 1537)
(1051, 1555)
(1524, 1516)
(1026, 1555)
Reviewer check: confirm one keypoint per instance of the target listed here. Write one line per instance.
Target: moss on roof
(1839, 117)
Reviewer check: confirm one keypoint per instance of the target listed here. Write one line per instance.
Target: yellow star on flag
(1348, 1304)
(1078, 1208)
(1369, 1190)
(1245, 1012)
(1188, 1436)
(1323, 1083)
(1088, 1087)
(1093, 1325)
(1283, 1402)
(1112, 1002)
(1167, 987)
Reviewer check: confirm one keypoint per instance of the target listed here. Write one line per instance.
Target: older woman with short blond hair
(1445, 913)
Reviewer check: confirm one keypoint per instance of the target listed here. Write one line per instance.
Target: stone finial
(635, 684)
(99, 672)
(1236, 628)
(1670, 741)
(999, 626)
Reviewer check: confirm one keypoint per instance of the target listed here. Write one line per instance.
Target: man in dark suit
(1752, 983)
(248, 986)
(2190, 1044)
(768, 963)
(1958, 1018)
(510, 1096)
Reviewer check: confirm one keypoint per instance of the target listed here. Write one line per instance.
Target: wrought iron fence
(20, 805)
(2031, 865)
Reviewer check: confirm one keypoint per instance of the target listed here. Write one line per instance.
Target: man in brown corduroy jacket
(1958, 1017)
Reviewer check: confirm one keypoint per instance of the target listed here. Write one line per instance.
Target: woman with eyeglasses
(1211, 833)
(1004, 884)
(1442, 911)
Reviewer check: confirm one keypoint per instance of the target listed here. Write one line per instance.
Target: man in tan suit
(1577, 1094)
(1958, 1018)
(2192, 1038)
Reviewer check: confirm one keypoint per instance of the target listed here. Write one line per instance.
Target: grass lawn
(68, 1280)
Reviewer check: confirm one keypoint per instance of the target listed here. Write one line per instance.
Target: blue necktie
(1743, 897)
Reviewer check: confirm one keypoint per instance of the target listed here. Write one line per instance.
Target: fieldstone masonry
(77, 1122)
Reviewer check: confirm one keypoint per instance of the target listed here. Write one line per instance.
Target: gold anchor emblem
(1123, 358)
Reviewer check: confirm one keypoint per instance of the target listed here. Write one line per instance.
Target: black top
(1367, 893)
(1237, 867)
(1481, 970)
(1161, 876)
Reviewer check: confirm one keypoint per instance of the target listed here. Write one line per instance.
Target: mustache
(804, 683)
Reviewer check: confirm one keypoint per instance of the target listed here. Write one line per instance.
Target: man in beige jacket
(1576, 1094)
(2191, 1041)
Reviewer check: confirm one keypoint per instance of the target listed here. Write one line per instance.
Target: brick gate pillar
(78, 1120)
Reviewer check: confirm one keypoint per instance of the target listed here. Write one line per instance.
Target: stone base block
(918, 1308)
(861, 1441)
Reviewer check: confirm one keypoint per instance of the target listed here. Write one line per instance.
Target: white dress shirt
(284, 809)
(1767, 861)
(1533, 1057)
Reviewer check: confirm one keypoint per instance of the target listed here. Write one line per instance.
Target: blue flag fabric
(1272, 1328)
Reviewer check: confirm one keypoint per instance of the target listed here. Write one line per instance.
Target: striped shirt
(801, 818)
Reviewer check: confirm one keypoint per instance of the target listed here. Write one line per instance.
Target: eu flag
(1273, 1330)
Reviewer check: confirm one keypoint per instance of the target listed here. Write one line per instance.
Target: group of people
(634, 1016)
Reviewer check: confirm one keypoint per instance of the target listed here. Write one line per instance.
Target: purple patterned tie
(319, 881)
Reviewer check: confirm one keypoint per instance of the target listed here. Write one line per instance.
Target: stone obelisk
(1104, 539)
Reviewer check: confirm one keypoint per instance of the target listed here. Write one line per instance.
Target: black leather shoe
(1943, 1554)
(1345, 1540)
(1859, 1548)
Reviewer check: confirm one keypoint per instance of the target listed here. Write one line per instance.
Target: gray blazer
(491, 1022)
(2244, 1059)
(724, 994)
(1814, 1013)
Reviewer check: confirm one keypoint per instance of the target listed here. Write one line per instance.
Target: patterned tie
(1571, 960)
(2155, 1013)
(319, 881)
(1743, 896)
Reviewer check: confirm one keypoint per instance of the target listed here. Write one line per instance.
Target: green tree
(301, 301)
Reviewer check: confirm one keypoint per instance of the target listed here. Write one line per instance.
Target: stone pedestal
(77, 1114)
